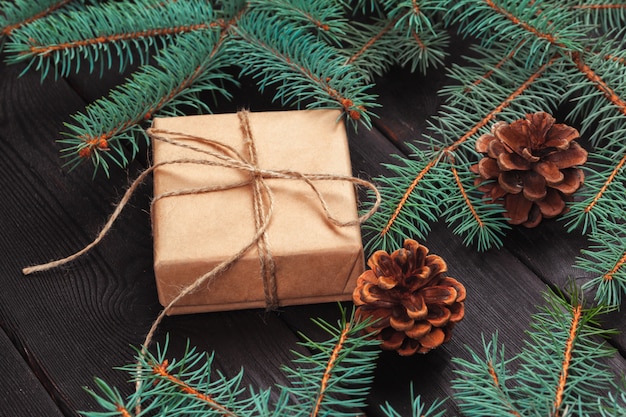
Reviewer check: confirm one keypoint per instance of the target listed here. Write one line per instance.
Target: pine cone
(413, 303)
(533, 160)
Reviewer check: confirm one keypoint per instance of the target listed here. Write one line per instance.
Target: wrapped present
(252, 199)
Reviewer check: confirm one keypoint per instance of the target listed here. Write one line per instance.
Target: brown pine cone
(413, 303)
(533, 160)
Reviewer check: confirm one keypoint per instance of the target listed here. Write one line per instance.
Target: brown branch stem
(101, 142)
(618, 265)
(329, 369)
(117, 37)
(496, 383)
(616, 100)
(373, 40)
(6, 31)
(567, 358)
(468, 203)
(524, 25)
(161, 370)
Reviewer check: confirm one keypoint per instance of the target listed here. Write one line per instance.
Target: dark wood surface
(60, 329)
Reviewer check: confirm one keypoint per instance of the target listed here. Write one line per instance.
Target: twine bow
(263, 205)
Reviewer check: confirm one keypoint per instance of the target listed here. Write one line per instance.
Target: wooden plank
(79, 320)
(21, 392)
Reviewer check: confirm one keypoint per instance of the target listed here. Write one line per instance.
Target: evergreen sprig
(111, 126)
(418, 408)
(16, 14)
(302, 68)
(104, 33)
(558, 373)
(333, 380)
(561, 371)
(605, 258)
(542, 27)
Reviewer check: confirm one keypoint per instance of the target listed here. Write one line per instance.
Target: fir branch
(604, 14)
(376, 46)
(559, 369)
(495, 67)
(615, 405)
(598, 92)
(103, 139)
(545, 31)
(326, 18)
(605, 258)
(339, 370)
(424, 50)
(561, 358)
(93, 33)
(15, 15)
(302, 69)
(373, 40)
(188, 386)
(483, 226)
(599, 6)
(599, 101)
(414, 16)
(482, 382)
(423, 204)
(162, 371)
(602, 197)
(335, 378)
(330, 367)
(592, 76)
(567, 359)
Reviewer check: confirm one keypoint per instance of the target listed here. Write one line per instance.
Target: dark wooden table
(60, 329)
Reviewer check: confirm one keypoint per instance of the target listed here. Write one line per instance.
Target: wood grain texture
(21, 392)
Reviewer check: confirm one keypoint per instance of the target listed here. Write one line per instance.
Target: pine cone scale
(415, 306)
(488, 168)
(574, 155)
(549, 171)
(572, 180)
(560, 136)
(534, 186)
(439, 294)
(511, 182)
(460, 289)
(512, 161)
(438, 316)
(457, 312)
(419, 330)
(552, 205)
(433, 339)
(517, 208)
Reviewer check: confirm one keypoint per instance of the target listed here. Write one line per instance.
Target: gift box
(209, 214)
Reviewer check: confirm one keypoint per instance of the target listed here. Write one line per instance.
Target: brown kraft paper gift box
(315, 261)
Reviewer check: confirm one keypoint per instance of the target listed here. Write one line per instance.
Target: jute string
(263, 206)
